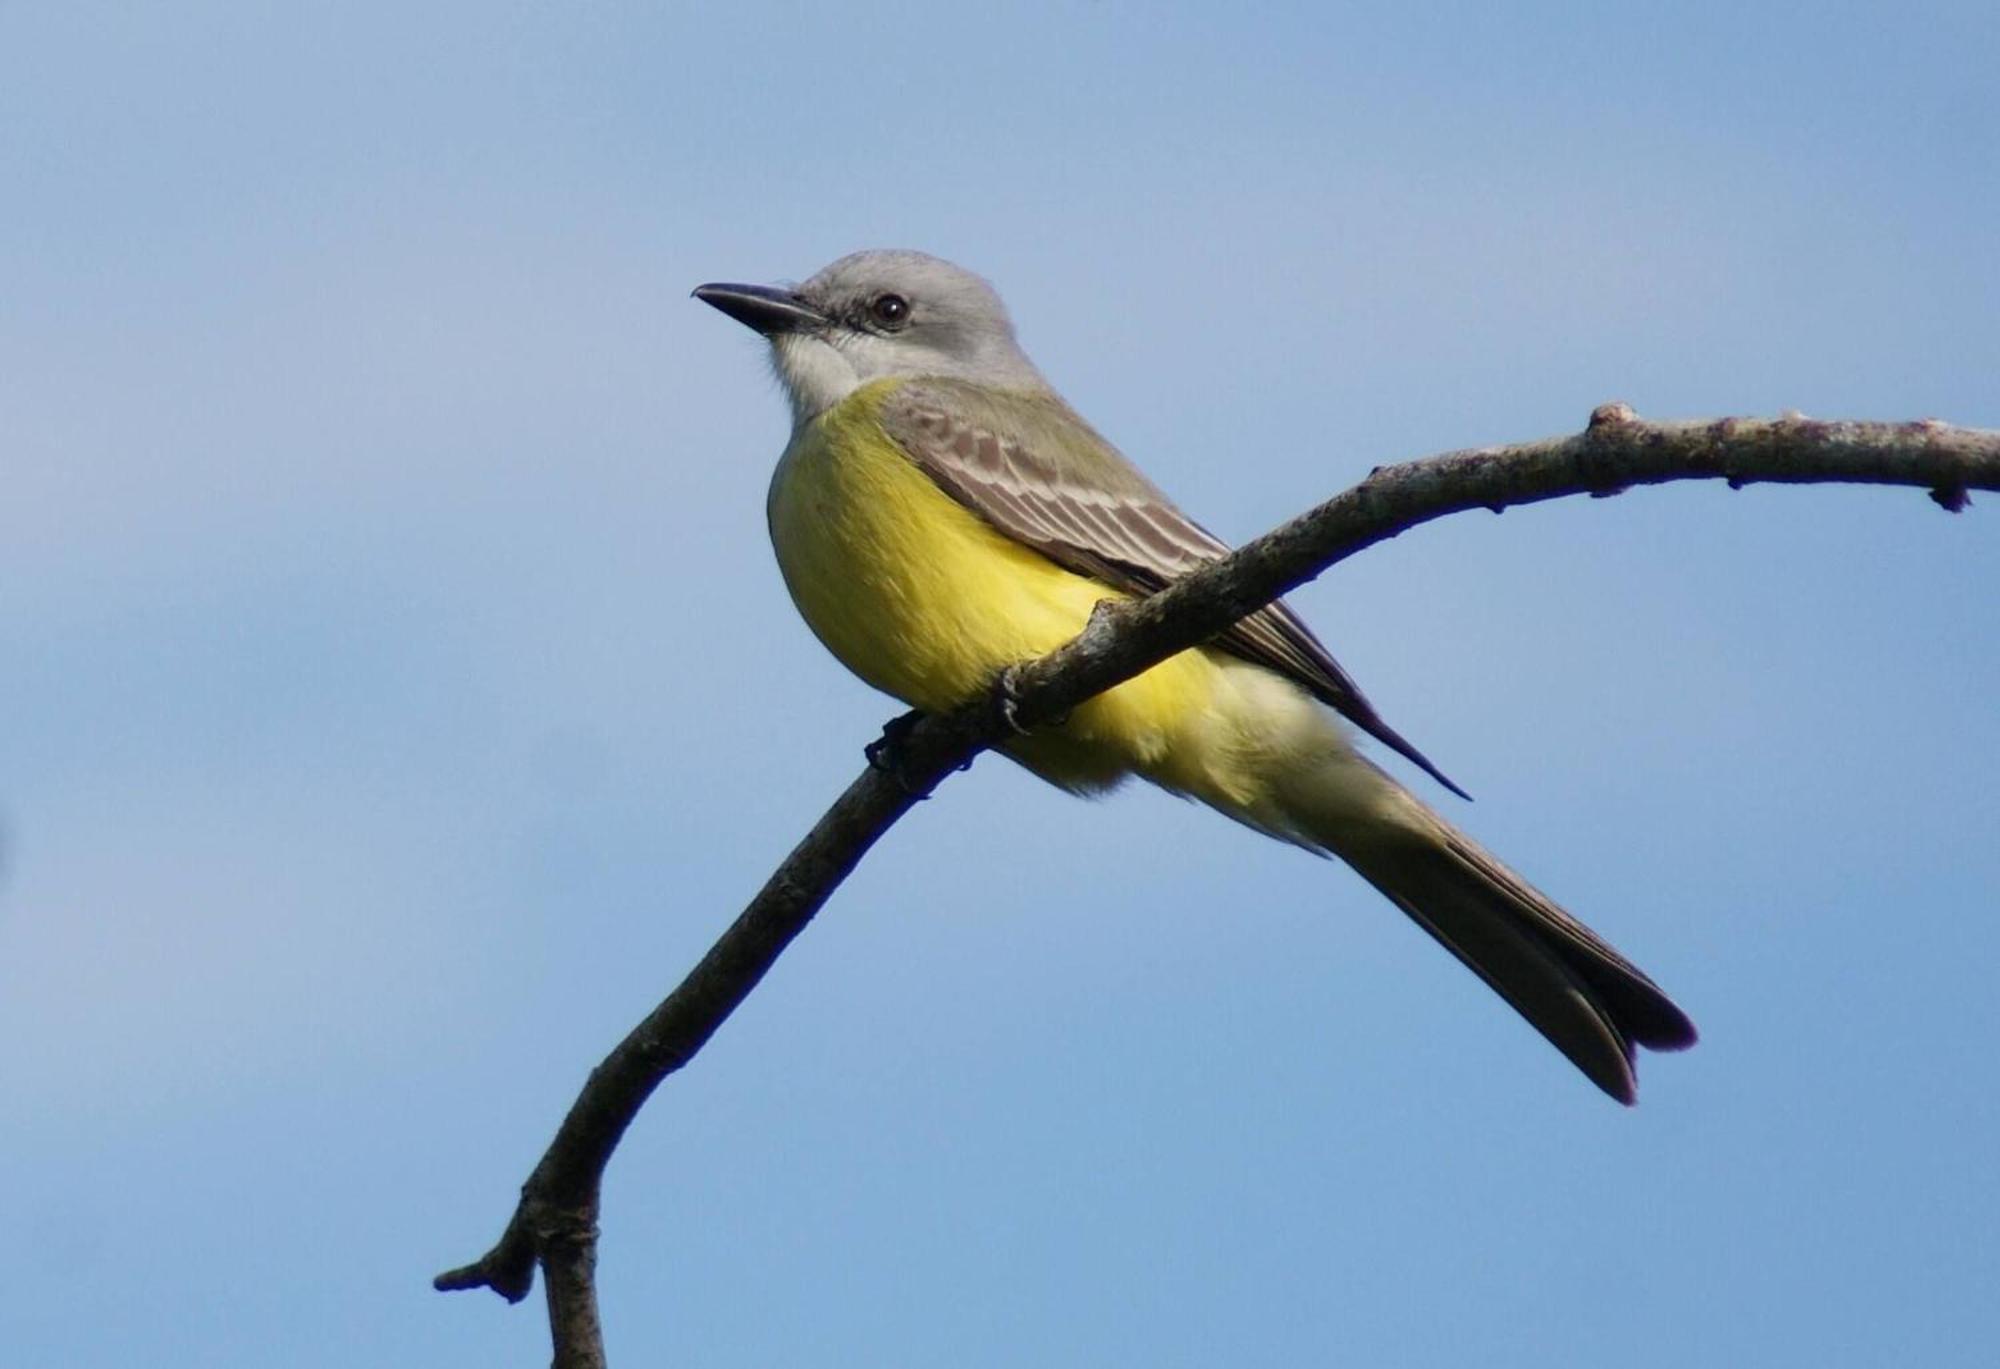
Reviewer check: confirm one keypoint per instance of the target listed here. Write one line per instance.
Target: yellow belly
(926, 601)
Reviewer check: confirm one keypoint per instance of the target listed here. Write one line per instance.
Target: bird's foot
(886, 752)
(1006, 700)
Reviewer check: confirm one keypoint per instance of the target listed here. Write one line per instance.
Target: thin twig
(555, 1221)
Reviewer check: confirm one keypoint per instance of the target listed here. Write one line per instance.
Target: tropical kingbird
(941, 514)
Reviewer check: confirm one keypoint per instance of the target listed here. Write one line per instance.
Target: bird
(941, 514)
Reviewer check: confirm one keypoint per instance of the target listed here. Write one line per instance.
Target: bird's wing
(1093, 513)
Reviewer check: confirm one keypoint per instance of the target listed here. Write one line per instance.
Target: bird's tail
(1594, 1005)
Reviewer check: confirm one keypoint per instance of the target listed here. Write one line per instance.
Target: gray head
(874, 315)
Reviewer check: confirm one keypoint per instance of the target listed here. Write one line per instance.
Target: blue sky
(399, 694)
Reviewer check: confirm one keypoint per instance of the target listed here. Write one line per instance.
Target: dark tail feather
(1589, 1001)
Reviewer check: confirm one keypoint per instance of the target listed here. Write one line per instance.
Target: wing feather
(1096, 515)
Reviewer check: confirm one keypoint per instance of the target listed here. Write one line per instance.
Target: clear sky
(398, 694)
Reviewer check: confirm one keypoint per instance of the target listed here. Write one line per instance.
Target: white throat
(816, 374)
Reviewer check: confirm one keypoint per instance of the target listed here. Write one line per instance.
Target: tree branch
(555, 1221)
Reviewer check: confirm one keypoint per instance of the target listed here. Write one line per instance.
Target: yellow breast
(925, 600)
(913, 592)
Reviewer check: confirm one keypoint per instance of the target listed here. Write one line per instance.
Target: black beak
(767, 309)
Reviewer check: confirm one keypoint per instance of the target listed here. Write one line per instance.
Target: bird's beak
(769, 310)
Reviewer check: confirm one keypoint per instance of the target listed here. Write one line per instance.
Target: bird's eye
(889, 310)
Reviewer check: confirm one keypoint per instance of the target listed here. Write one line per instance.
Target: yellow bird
(940, 514)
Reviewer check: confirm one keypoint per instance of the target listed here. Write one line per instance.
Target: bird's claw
(1007, 700)
(885, 753)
